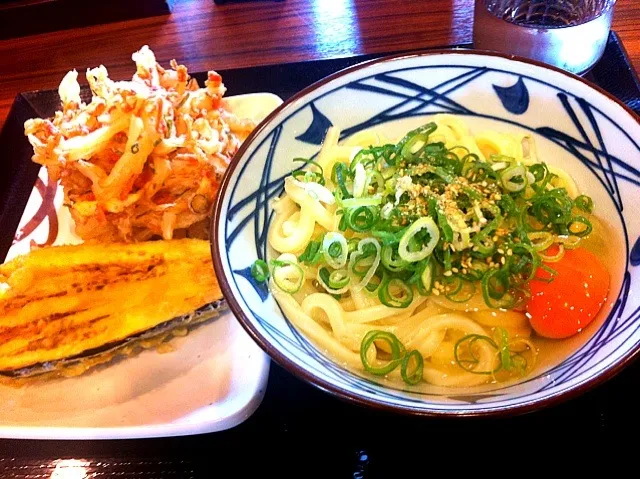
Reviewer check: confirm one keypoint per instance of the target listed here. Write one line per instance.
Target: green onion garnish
(335, 250)
(396, 352)
(496, 289)
(508, 360)
(505, 354)
(260, 270)
(469, 360)
(417, 212)
(395, 293)
(312, 253)
(458, 290)
(580, 226)
(415, 376)
(339, 176)
(425, 249)
(411, 364)
(540, 240)
(362, 218)
(308, 175)
(391, 260)
(364, 262)
(426, 278)
(334, 282)
(584, 203)
(287, 275)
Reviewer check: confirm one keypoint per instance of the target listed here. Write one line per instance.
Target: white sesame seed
(448, 273)
(435, 291)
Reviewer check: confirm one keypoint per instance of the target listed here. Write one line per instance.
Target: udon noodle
(412, 259)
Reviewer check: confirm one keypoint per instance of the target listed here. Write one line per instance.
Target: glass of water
(570, 34)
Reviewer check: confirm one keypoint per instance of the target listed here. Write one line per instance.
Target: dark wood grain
(51, 15)
(203, 35)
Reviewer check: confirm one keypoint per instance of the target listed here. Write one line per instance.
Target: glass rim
(606, 9)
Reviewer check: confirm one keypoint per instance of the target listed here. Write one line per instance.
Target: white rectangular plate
(214, 378)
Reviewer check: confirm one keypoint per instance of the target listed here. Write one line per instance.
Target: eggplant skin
(59, 302)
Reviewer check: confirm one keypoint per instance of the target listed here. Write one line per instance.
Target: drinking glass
(570, 34)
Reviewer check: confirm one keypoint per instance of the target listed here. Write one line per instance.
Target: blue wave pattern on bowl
(248, 209)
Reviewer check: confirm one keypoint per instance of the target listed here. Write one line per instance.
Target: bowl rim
(291, 366)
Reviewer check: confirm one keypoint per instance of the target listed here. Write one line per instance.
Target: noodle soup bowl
(575, 125)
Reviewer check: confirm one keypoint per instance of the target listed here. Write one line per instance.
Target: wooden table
(203, 35)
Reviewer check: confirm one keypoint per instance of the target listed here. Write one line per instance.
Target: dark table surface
(300, 431)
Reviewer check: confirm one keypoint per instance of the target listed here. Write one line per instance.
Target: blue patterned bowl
(575, 124)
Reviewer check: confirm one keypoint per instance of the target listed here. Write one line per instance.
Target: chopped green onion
(377, 178)
(415, 376)
(395, 293)
(569, 242)
(583, 225)
(352, 245)
(523, 263)
(539, 171)
(335, 282)
(514, 178)
(391, 260)
(412, 148)
(339, 176)
(496, 158)
(363, 218)
(426, 278)
(335, 250)
(495, 289)
(446, 175)
(363, 157)
(396, 347)
(343, 225)
(260, 270)
(483, 247)
(552, 207)
(469, 361)
(584, 203)
(312, 253)
(552, 258)
(541, 240)
(287, 275)
(388, 238)
(427, 224)
(461, 290)
(505, 353)
(339, 278)
(552, 272)
(355, 202)
(374, 283)
(519, 362)
(309, 175)
(363, 245)
(447, 231)
(418, 211)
